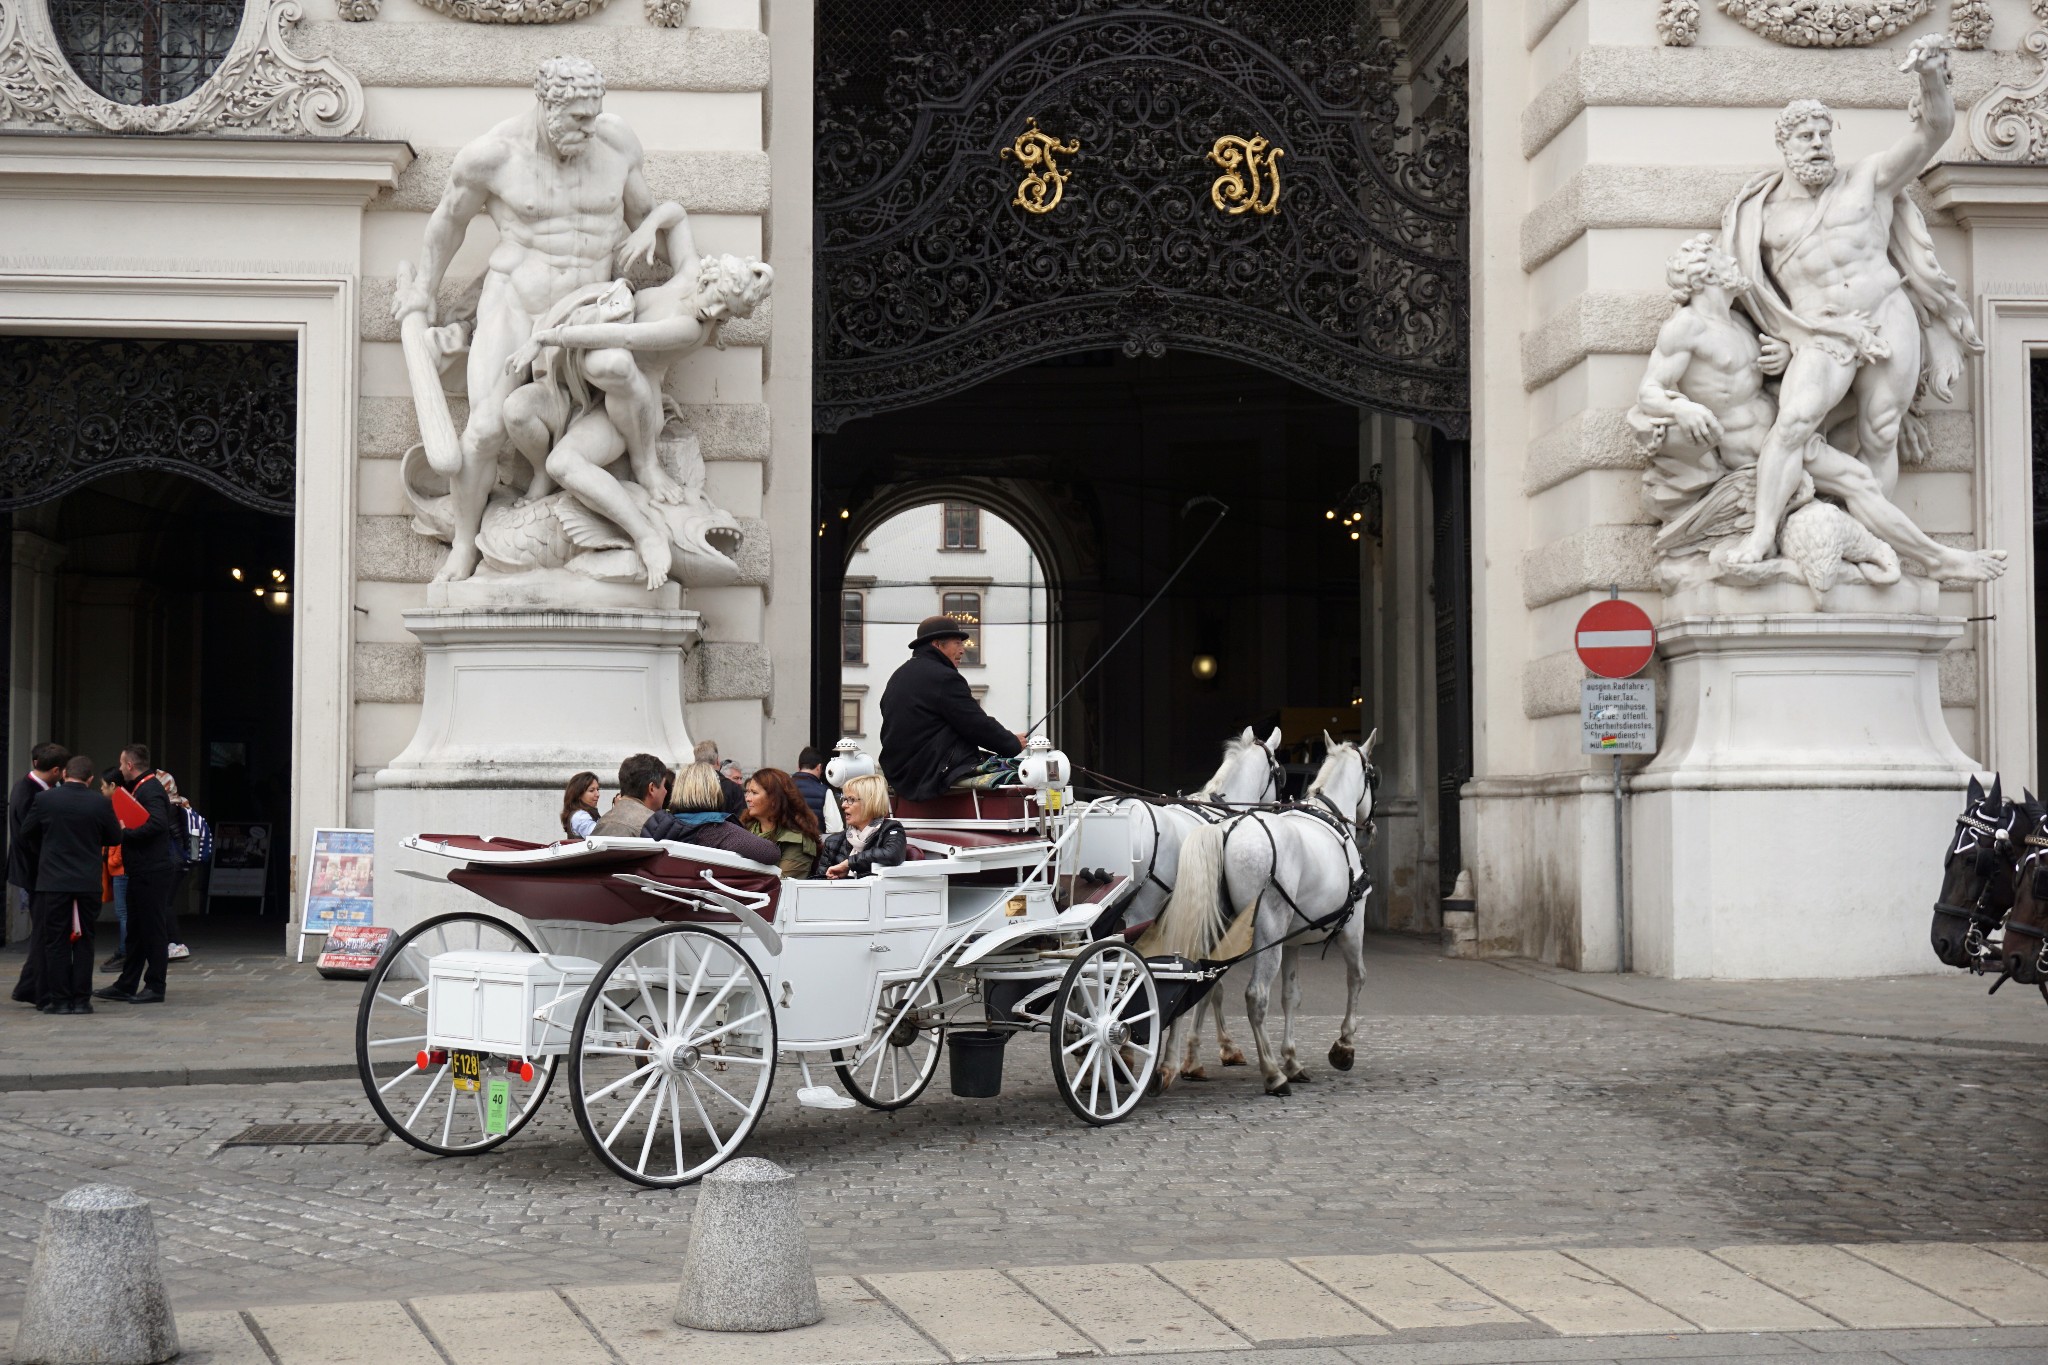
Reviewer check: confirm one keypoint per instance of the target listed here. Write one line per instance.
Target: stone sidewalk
(1969, 1305)
(241, 1017)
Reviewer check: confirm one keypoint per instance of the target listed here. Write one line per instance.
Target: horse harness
(1213, 809)
(1979, 914)
(1325, 812)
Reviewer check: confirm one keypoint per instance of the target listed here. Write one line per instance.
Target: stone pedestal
(1791, 823)
(96, 1291)
(516, 700)
(749, 1265)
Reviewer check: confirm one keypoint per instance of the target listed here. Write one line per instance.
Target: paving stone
(1126, 1309)
(979, 1315)
(216, 1338)
(2033, 1254)
(344, 1334)
(1269, 1302)
(859, 1329)
(531, 1328)
(1578, 1350)
(1711, 1295)
(1575, 1299)
(2007, 1293)
(1408, 1291)
(1853, 1292)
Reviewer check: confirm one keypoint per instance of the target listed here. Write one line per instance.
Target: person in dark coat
(933, 730)
(871, 838)
(64, 835)
(696, 815)
(152, 864)
(810, 781)
(45, 770)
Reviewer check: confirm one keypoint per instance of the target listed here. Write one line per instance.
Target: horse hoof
(1341, 1056)
(1279, 1090)
(1233, 1058)
(1162, 1081)
(1301, 1078)
(1195, 1074)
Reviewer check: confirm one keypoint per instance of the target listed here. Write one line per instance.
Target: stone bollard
(749, 1266)
(96, 1292)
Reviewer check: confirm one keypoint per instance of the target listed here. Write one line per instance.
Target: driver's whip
(1222, 511)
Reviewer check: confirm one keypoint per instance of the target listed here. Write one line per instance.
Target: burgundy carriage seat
(578, 881)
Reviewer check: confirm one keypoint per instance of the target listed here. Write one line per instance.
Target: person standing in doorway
(64, 834)
(45, 770)
(152, 875)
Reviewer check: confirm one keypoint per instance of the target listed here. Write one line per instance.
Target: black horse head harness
(1988, 843)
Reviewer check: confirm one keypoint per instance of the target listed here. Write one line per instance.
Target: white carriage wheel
(423, 1103)
(889, 1072)
(1105, 1031)
(673, 1055)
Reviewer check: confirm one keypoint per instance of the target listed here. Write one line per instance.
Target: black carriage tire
(368, 1077)
(1058, 1018)
(589, 1003)
(853, 1087)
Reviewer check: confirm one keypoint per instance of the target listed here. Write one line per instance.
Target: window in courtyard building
(849, 714)
(853, 632)
(965, 607)
(963, 526)
(145, 51)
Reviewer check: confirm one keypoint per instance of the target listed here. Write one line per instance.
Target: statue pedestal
(518, 699)
(1792, 820)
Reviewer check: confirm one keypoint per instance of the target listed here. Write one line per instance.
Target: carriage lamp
(1204, 667)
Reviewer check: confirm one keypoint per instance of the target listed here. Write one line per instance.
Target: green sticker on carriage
(496, 1102)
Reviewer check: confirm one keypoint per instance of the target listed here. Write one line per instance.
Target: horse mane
(1329, 768)
(1231, 749)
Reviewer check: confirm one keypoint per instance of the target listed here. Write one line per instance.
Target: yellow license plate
(467, 1068)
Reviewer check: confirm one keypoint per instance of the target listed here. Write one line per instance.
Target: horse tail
(1197, 914)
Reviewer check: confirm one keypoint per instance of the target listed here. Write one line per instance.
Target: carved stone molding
(359, 11)
(261, 84)
(517, 11)
(1826, 23)
(2011, 122)
(667, 13)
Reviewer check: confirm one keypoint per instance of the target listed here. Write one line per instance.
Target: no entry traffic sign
(1615, 638)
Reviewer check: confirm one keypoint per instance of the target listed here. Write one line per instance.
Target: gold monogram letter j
(1251, 175)
(1044, 181)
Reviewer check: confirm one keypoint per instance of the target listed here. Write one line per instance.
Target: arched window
(145, 51)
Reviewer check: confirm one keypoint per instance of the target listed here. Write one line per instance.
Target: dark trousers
(29, 988)
(66, 963)
(149, 903)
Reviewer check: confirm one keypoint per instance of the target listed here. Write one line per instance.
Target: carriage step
(822, 1097)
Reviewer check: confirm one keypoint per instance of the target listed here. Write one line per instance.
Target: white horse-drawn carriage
(671, 979)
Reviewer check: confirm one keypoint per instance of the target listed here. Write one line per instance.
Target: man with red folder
(61, 839)
(152, 865)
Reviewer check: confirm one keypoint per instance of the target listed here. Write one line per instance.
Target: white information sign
(1618, 716)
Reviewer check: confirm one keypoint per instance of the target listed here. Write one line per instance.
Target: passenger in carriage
(934, 733)
(776, 812)
(579, 806)
(871, 838)
(637, 811)
(698, 817)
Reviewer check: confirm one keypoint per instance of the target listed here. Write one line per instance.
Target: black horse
(1978, 879)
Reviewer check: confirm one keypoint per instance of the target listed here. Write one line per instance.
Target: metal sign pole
(1617, 715)
(1620, 877)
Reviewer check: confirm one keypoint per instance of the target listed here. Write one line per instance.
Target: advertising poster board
(241, 861)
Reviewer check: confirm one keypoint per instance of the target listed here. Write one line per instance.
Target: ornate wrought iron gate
(1053, 176)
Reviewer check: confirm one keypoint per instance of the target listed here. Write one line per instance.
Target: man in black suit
(65, 832)
(152, 863)
(45, 770)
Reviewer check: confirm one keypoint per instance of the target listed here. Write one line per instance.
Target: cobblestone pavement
(1532, 1116)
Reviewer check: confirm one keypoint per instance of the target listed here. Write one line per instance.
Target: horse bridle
(1369, 775)
(2037, 845)
(1984, 836)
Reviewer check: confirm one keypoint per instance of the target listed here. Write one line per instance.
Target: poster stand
(340, 883)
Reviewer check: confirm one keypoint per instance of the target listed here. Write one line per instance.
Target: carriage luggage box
(481, 1001)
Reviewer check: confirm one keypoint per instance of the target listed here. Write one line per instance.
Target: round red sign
(1615, 639)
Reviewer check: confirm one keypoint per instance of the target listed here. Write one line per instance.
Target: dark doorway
(1102, 455)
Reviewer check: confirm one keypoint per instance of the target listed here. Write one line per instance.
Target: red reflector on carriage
(423, 1061)
(523, 1070)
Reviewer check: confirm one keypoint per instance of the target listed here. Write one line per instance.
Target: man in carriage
(934, 733)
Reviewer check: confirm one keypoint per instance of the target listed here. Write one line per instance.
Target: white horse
(1248, 776)
(1295, 873)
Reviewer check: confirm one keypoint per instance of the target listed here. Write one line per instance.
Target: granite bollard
(96, 1292)
(749, 1264)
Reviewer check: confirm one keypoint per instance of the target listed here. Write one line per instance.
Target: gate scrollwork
(932, 278)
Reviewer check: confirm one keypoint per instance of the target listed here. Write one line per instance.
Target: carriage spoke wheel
(1105, 1032)
(438, 1107)
(673, 1055)
(889, 1072)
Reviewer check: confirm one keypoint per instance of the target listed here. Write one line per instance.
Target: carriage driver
(934, 734)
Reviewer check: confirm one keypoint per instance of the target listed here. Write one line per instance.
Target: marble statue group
(1790, 383)
(572, 456)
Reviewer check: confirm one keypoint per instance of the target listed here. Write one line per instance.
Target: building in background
(950, 558)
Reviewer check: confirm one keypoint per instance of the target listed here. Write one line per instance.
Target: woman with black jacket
(871, 838)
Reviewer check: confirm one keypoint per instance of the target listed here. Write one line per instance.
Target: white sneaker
(179, 950)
